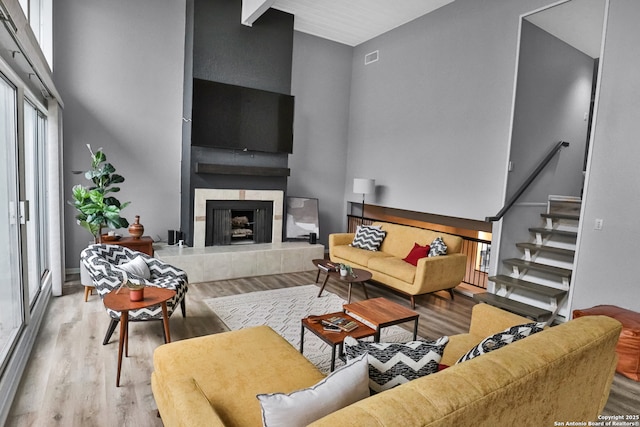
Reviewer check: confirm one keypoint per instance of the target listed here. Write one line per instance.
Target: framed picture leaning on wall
(302, 217)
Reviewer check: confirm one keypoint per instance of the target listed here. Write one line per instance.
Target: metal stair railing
(528, 181)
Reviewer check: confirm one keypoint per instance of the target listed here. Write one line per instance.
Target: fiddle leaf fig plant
(95, 209)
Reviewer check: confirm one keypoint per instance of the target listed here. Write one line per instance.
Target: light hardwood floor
(70, 378)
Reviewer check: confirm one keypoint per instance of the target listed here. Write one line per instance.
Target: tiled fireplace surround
(207, 263)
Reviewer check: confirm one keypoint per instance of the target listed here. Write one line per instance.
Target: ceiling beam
(253, 9)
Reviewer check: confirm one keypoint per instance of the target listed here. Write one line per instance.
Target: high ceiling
(351, 22)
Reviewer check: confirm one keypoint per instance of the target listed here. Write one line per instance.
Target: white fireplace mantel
(201, 196)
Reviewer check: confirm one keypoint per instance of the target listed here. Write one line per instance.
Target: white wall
(430, 120)
(119, 68)
(552, 101)
(320, 82)
(605, 271)
(553, 94)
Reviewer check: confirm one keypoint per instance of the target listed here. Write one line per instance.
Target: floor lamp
(364, 186)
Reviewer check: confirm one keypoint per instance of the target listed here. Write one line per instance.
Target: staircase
(538, 283)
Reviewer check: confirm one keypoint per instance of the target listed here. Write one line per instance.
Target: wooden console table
(144, 244)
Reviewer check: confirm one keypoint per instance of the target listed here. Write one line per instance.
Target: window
(40, 16)
(35, 186)
(30, 271)
(11, 301)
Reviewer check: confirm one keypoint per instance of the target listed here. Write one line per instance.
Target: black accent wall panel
(224, 50)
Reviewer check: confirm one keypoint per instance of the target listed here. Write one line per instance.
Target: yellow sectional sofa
(387, 266)
(563, 373)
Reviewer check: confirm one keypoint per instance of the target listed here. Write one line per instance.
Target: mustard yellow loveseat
(563, 373)
(387, 266)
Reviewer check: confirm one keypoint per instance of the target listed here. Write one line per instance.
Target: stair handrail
(528, 181)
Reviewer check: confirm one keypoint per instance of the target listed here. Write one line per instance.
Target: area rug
(282, 310)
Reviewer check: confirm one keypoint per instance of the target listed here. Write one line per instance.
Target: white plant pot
(343, 272)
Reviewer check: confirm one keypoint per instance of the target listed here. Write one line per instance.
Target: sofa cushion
(392, 364)
(357, 256)
(344, 386)
(416, 253)
(394, 267)
(501, 339)
(437, 247)
(368, 237)
(400, 239)
(228, 372)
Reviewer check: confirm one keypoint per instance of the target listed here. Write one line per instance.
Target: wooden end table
(334, 339)
(121, 302)
(144, 244)
(359, 276)
(382, 313)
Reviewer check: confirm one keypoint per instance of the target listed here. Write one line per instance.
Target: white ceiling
(352, 22)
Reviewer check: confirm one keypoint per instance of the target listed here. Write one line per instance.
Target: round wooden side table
(120, 302)
(358, 276)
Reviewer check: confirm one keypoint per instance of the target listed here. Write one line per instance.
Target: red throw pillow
(416, 253)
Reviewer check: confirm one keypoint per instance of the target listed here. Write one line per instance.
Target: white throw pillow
(344, 386)
(136, 266)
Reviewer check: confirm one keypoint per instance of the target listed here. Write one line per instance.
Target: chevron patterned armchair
(102, 262)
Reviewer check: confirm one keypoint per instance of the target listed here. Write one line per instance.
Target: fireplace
(235, 222)
(253, 216)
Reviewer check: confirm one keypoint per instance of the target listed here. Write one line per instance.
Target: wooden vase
(136, 294)
(136, 229)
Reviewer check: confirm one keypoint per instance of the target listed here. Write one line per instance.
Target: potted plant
(96, 208)
(345, 269)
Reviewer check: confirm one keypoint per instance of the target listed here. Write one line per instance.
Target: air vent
(371, 57)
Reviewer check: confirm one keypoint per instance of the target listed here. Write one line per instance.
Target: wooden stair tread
(563, 272)
(545, 248)
(514, 306)
(547, 291)
(561, 216)
(555, 232)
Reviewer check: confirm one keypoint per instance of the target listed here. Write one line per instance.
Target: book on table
(327, 266)
(343, 323)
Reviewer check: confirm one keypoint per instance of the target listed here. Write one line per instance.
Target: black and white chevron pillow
(437, 247)
(501, 339)
(368, 237)
(392, 364)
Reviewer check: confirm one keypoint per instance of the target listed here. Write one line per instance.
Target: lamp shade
(364, 185)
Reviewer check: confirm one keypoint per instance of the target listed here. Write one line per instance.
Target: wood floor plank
(70, 378)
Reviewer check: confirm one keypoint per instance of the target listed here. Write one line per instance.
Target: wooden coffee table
(359, 276)
(121, 302)
(382, 313)
(334, 339)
